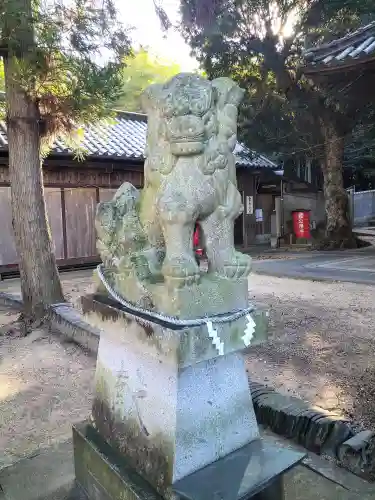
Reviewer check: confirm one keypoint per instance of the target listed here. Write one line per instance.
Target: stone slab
(251, 472)
(245, 473)
(302, 483)
(49, 470)
(362, 263)
(323, 467)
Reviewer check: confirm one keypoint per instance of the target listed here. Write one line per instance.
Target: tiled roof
(121, 137)
(124, 137)
(353, 48)
(247, 158)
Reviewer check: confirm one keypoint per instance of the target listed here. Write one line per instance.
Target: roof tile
(359, 44)
(124, 136)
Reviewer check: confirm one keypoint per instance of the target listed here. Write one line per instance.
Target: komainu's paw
(182, 271)
(238, 267)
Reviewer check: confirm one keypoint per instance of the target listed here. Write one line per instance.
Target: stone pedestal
(255, 471)
(171, 401)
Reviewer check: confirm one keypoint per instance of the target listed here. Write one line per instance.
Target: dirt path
(45, 386)
(323, 351)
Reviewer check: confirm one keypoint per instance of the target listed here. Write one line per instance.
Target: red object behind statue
(301, 223)
(198, 251)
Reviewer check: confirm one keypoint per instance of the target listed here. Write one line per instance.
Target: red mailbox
(196, 243)
(301, 223)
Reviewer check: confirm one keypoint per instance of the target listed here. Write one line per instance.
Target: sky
(147, 31)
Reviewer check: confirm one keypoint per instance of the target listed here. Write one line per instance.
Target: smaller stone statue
(145, 239)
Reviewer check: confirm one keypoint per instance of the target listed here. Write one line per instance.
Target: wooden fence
(71, 213)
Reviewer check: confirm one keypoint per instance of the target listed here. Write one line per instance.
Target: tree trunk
(338, 232)
(40, 281)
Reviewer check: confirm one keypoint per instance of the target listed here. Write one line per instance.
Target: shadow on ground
(321, 355)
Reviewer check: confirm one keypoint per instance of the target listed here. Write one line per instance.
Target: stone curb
(312, 427)
(12, 300)
(64, 319)
(317, 430)
(68, 321)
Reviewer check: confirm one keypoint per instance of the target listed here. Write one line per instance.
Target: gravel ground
(322, 351)
(45, 386)
(323, 344)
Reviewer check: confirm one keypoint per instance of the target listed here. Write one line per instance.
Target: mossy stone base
(102, 473)
(255, 471)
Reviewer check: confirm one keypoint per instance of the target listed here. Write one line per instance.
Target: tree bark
(338, 232)
(40, 281)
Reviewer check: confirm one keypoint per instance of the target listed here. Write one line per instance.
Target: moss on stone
(152, 457)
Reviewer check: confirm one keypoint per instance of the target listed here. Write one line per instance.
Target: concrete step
(47, 475)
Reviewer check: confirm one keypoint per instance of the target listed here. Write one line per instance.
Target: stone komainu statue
(189, 176)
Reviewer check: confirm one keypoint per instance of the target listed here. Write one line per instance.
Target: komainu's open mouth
(186, 130)
(186, 148)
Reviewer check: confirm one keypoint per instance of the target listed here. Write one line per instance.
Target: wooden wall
(247, 186)
(71, 199)
(8, 253)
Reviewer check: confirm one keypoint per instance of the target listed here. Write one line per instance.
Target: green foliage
(260, 44)
(67, 56)
(140, 71)
(360, 144)
(330, 19)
